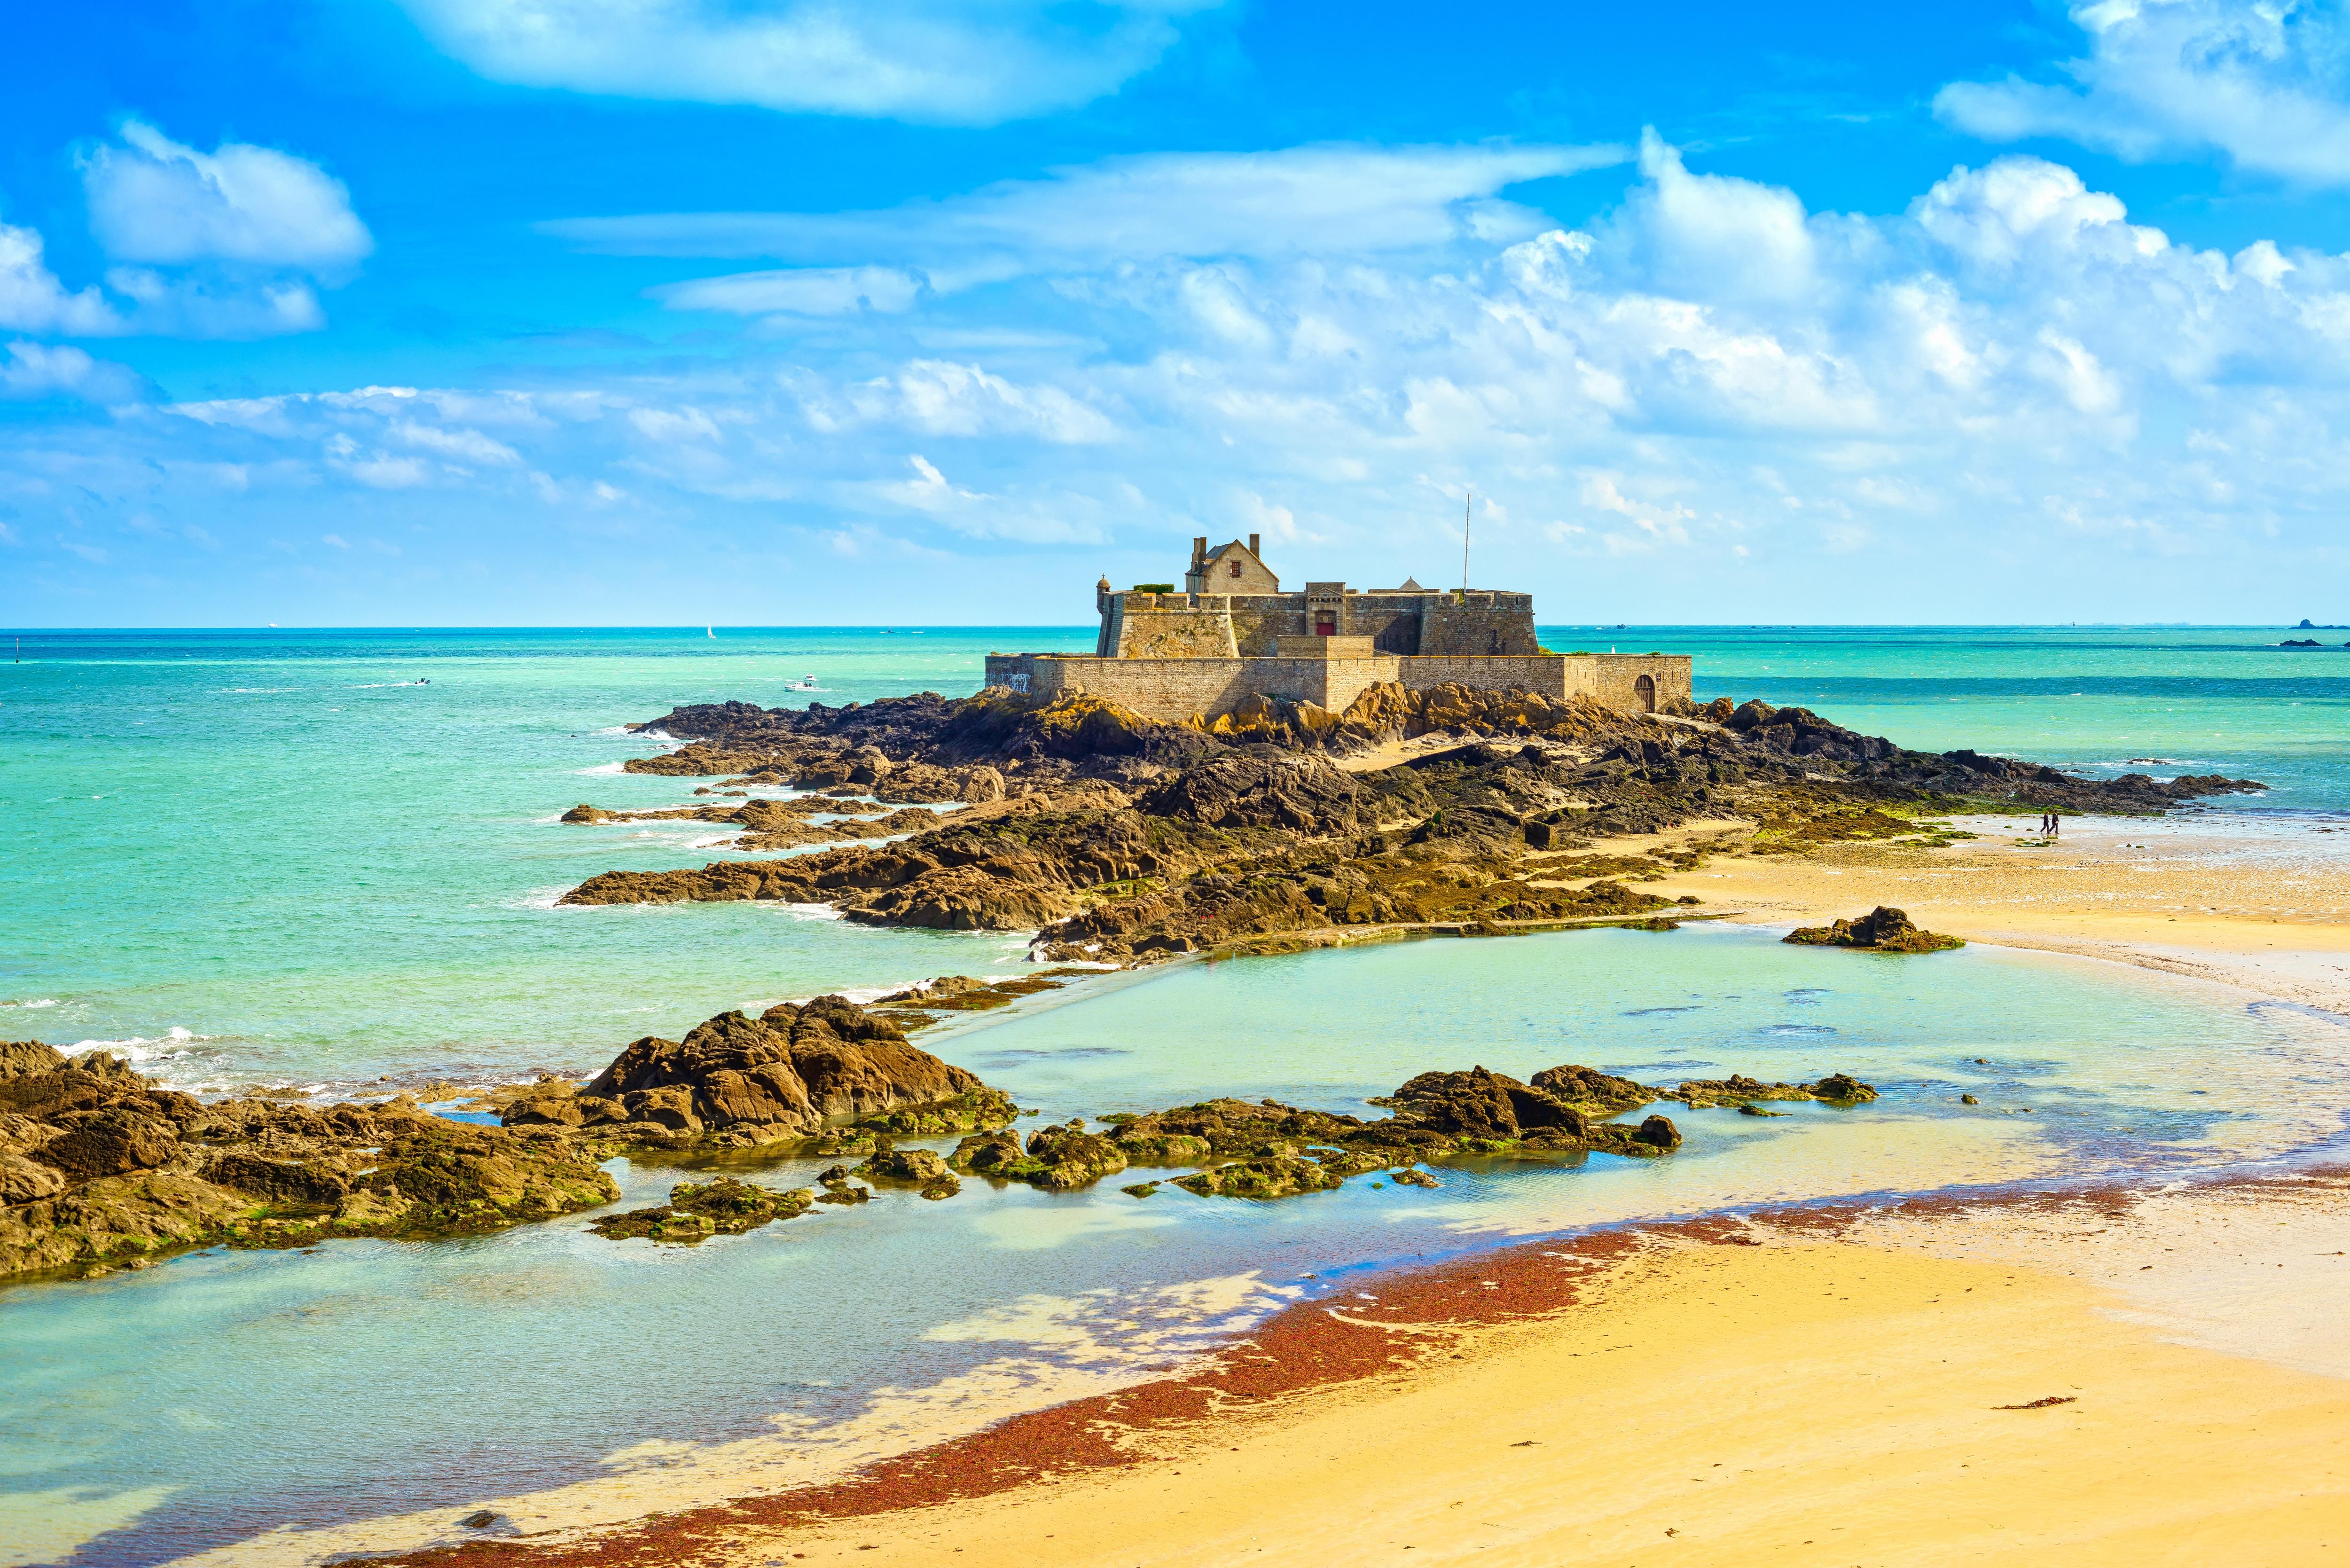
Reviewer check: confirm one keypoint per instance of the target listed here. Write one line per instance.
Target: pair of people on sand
(2050, 823)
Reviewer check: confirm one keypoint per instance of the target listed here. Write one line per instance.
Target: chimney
(1198, 549)
(1253, 549)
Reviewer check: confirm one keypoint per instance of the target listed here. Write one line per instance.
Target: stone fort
(1231, 634)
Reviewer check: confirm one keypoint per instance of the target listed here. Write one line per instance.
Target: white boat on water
(710, 631)
(804, 683)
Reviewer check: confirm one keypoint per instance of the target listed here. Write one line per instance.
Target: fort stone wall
(1174, 690)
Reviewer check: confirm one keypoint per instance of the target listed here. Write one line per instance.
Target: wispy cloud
(953, 62)
(2265, 83)
(797, 291)
(1326, 200)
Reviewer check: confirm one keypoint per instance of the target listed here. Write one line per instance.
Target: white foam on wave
(603, 768)
(142, 1047)
(31, 1001)
(542, 899)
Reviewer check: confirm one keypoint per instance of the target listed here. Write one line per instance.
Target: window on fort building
(1236, 568)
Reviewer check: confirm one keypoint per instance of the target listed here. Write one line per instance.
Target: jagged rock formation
(793, 1073)
(1883, 929)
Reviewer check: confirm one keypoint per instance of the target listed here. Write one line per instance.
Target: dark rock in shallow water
(916, 1167)
(726, 1206)
(1056, 1159)
(1698, 1093)
(1274, 1176)
(1883, 929)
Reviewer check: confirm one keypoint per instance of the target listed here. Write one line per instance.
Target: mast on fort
(1231, 634)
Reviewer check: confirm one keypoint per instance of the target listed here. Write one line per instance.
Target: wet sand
(1985, 1382)
(2261, 904)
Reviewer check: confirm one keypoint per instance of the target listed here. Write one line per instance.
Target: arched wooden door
(1644, 693)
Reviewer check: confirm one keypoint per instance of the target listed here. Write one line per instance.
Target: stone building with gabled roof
(1232, 634)
(1233, 568)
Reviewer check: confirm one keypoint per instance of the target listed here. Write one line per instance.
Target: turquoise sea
(274, 858)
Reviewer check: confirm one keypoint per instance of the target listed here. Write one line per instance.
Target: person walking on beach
(2055, 825)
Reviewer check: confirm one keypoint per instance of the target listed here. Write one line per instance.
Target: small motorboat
(804, 683)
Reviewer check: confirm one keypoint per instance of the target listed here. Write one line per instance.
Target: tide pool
(550, 1373)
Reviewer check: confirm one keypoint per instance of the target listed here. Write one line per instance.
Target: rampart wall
(1177, 688)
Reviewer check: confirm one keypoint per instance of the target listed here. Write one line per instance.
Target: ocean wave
(172, 1044)
(32, 1001)
(603, 769)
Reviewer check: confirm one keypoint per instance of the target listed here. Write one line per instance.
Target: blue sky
(763, 311)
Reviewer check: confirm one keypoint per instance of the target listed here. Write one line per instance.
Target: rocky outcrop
(797, 1071)
(1249, 834)
(1883, 929)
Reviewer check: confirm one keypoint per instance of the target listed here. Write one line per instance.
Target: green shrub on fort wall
(1152, 588)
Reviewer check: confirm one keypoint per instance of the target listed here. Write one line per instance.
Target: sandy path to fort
(2261, 905)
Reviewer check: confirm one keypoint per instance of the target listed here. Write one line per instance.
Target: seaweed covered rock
(1883, 929)
(1056, 1159)
(1275, 1175)
(1481, 1106)
(913, 1166)
(696, 1212)
(101, 1167)
(794, 1072)
(1698, 1093)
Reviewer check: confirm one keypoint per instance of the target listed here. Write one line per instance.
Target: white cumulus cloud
(152, 200)
(955, 62)
(2264, 82)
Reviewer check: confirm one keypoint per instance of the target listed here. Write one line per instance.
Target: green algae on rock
(1883, 929)
(1700, 1094)
(104, 1169)
(696, 1212)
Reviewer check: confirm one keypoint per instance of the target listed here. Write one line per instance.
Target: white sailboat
(710, 632)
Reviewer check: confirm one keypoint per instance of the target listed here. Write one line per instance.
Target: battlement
(1231, 634)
